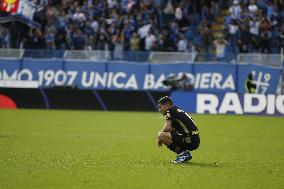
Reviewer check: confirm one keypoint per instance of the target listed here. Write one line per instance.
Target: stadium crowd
(255, 26)
(153, 25)
(162, 25)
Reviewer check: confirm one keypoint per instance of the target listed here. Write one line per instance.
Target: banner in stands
(9, 6)
(199, 77)
(215, 78)
(230, 103)
(19, 7)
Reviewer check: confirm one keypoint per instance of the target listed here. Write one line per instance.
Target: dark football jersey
(181, 121)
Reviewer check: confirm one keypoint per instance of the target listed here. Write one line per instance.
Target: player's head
(164, 104)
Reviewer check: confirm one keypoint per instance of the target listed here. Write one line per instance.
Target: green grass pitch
(89, 149)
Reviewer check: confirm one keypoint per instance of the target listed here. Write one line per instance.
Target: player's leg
(184, 155)
(188, 143)
(192, 143)
(174, 142)
(167, 139)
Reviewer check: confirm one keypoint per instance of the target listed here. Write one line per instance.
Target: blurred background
(246, 26)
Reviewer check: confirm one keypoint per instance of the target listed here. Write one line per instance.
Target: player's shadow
(203, 165)
(5, 136)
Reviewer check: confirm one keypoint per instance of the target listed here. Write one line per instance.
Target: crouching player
(180, 133)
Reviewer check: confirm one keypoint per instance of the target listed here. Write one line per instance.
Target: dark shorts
(185, 142)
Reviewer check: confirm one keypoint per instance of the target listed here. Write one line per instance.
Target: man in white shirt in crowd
(79, 16)
(235, 10)
(149, 41)
(220, 47)
(252, 8)
(233, 35)
(182, 43)
(254, 25)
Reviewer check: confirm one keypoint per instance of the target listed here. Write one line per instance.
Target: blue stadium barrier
(114, 75)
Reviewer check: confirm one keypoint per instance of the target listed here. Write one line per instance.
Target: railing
(272, 60)
(15, 54)
(172, 57)
(77, 55)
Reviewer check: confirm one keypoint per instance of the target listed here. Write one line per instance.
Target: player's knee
(162, 136)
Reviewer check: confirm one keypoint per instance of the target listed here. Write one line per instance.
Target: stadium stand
(213, 29)
(158, 25)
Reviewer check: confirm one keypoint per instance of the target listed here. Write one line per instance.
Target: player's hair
(166, 100)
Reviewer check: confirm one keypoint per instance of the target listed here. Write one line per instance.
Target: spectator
(102, 41)
(254, 25)
(265, 25)
(89, 45)
(112, 4)
(144, 30)
(79, 16)
(168, 11)
(233, 35)
(235, 10)
(207, 39)
(61, 41)
(191, 47)
(265, 35)
(149, 41)
(62, 22)
(207, 14)
(265, 42)
(245, 40)
(5, 38)
(50, 40)
(262, 4)
(178, 12)
(38, 40)
(173, 33)
(134, 42)
(161, 46)
(252, 8)
(94, 25)
(270, 9)
(182, 43)
(88, 30)
(78, 41)
(118, 41)
(220, 48)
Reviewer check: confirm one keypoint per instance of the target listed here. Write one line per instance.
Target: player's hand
(160, 143)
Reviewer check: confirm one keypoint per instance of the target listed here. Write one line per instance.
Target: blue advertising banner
(132, 76)
(185, 100)
(46, 72)
(9, 69)
(159, 72)
(127, 76)
(215, 78)
(265, 78)
(85, 75)
(230, 103)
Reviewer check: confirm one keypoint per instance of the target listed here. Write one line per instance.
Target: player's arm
(167, 128)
